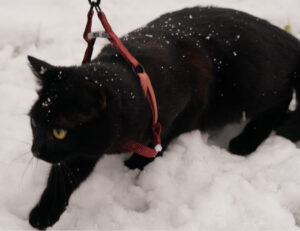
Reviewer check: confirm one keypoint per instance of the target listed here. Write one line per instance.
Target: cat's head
(72, 115)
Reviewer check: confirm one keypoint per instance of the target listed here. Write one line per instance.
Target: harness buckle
(98, 34)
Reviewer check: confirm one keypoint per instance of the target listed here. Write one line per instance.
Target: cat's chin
(58, 161)
(51, 160)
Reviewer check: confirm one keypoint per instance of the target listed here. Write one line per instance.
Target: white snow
(43, 70)
(196, 185)
(293, 103)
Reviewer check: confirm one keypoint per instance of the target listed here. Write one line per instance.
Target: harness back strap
(144, 81)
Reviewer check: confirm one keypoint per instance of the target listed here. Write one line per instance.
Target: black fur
(208, 66)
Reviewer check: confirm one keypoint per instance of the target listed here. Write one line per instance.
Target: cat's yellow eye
(59, 134)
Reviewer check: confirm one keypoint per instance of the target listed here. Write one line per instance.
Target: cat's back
(206, 25)
(250, 58)
(225, 36)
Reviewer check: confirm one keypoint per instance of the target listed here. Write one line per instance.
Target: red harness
(90, 38)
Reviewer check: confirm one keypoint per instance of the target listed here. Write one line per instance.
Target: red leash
(90, 38)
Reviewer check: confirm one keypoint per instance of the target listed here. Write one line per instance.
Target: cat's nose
(34, 151)
(37, 150)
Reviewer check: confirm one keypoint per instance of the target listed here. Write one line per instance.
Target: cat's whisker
(22, 141)
(19, 156)
(27, 166)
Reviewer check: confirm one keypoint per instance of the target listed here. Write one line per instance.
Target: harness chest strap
(144, 81)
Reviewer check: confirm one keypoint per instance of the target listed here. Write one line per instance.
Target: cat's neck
(130, 111)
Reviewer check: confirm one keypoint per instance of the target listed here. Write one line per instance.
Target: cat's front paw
(137, 162)
(242, 145)
(42, 217)
(132, 164)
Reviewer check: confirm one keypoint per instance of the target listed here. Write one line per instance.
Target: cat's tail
(290, 126)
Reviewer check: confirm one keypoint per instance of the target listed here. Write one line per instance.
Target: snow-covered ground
(195, 186)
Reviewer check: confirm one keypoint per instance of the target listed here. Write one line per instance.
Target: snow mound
(194, 186)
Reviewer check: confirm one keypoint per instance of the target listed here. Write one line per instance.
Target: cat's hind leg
(290, 125)
(258, 129)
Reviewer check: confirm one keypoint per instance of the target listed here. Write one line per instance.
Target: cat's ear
(98, 92)
(39, 68)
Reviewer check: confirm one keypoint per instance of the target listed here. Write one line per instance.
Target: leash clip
(95, 4)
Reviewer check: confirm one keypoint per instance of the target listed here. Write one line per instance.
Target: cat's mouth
(52, 159)
(49, 159)
(59, 158)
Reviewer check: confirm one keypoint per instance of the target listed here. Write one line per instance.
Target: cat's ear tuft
(39, 67)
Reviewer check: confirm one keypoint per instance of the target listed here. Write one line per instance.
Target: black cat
(208, 67)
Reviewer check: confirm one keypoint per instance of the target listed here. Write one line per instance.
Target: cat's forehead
(65, 115)
(50, 96)
(64, 105)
